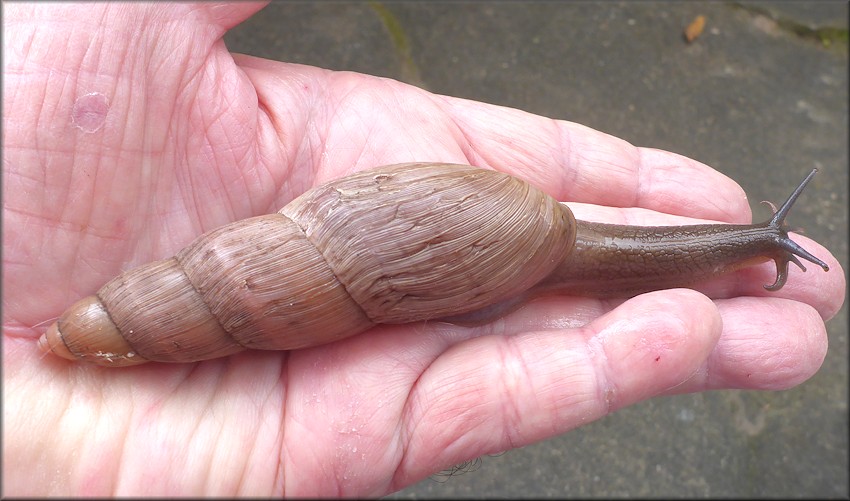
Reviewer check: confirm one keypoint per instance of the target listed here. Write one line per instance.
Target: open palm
(143, 131)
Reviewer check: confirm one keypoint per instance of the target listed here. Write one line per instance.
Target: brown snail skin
(398, 244)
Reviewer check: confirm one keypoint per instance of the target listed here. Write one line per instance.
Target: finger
(577, 163)
(569, 161)
(767, 344)
(498, 392)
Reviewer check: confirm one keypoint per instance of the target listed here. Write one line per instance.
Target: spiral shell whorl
(399, 244)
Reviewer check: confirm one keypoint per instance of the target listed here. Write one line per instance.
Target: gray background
(757, 96)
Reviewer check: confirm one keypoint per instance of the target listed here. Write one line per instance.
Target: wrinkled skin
(196, 137)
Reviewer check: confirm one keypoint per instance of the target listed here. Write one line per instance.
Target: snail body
(398, 244)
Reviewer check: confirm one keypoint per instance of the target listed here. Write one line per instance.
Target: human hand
(195, 138)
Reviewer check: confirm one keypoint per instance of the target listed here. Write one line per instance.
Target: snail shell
(398, 244)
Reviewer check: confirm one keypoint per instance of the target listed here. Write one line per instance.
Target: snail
(397, 244)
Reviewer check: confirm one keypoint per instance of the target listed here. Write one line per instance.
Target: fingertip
(830, 287)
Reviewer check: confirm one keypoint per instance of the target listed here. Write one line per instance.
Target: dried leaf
(695, 28)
